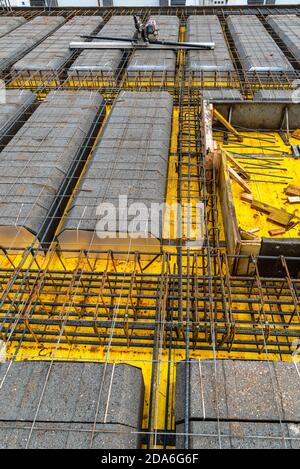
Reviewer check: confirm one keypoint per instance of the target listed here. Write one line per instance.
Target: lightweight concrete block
(157, 62)
(74, 392)
(257, 50)
(16, 435)
(36, 161)
(106, 63)
(17, 106)
(223, 94)
(53, 53)
(18, 42)
(207, 29)
(8, 24)
(287, 27)
(240, 390)
(239, 435)
(285, 96)
(131, 159)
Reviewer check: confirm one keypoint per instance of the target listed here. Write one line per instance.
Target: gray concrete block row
(18, 42)
(207, 29)
(131, 159)
(257, 50)
(35, 162)
(9, 23)
(222, 94)
(13, 110)
(16, 435)
(287, 28)
(285, 96)
(240, 390)
(104, 62)
(72, 397)
(240, 435)
(55, 52)
(157, 62)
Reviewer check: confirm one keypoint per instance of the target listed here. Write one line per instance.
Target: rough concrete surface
(18, 42)
(207, 29)
(36, 161)
(9, 23)
(157, 62)
(240, 390)
(64, 411)
(91, 63)
(131, 159)
(257, 50)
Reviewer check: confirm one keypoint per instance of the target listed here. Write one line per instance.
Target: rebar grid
(247, 313)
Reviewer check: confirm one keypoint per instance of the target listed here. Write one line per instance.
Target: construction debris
(227, 124)
(277, 232)
(294, 200)
(293, 190)
(240, 169)
(275, 215)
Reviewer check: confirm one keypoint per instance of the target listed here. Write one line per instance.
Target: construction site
(178, 334)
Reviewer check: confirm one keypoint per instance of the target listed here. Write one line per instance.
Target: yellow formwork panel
(276, 172)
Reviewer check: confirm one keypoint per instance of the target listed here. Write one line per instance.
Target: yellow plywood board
(271, 192)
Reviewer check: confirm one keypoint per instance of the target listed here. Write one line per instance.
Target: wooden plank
(232, 234)
(227, 124)
(247, 197)
(237, 165)
(239, 180)
(292, 190)
(277, 232)
(247, 248)
(294, 200)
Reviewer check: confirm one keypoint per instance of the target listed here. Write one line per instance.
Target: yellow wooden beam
(227, 124)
